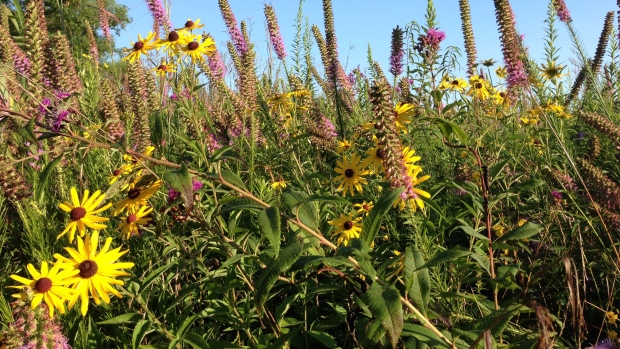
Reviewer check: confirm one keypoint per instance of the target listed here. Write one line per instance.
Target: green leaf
(325, 198)
(41, 184)
(186, 325)
(418, 283)
(384, 303)
(155, 274)
(28, 133)
(181, 181)
(157, 129)
(523, 232)
(497, 320)
(142, 327)
(326, 339)
(497, 168)
(284, 339)
(270, 274)
(233, 179)
(308, 213)
(372, 222)
(196, 341)
(448, 128)
(471, 232)
(445, 256)
(269, 223)
(128, 318)
(423, 335)
(527, 185)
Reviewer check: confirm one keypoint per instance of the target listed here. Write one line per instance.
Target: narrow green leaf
(128, 318)
(527, 185)
(444, 256)
(523, 232)
(497, 168)
(284, 339)
(497, 320)
(326, 339)
(423, 335)
(154, 274)
(186, 325)
(142, 327)
(196, 341)
(418, 282)
(44, 177)
(157, 129)
(269, 223)
(471, 232)
(308, 213)
(384, 303)
(372, 222)
(270, 274)
(233, 179)
(181, 181)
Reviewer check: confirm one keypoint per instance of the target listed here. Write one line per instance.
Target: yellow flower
(174, 42)
(498, 229)
(479, 88)
(521, 222)
(551, 71)
(196, 50)
(83, 213)
(118, 173)
(410, 159)
(612, 335)
(501, 72)
(347, 228)
(164, 68)
(279, 184)
(136, 197)
(364, 207)
(343, 145)
(48, 286)
(140, 47)
(96, 272)
(414, 201)
(351, 171)
(501, 98)
(611, 317)
(131, 224)
(374, 161)
(191, 25)
(455, 84)
(403, 112)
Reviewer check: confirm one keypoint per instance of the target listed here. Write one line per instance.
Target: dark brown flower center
(365, 207)
(189, 24)
(192, 45)
(77, 213)
(133, 193)
(88, 269)
(132, 218)
(43, 285)
(478, 85)
(455, 82)
(116, 172)
(162, 67)
(347, 225)
(138, 45)
(173, 36)
(380, 153)
(349, 173)
(502, 94)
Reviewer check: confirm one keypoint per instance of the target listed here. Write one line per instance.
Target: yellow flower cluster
(179, 43)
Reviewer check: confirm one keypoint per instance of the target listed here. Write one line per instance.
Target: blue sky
(360, 23)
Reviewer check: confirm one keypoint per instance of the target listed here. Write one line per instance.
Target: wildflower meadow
(179, 191)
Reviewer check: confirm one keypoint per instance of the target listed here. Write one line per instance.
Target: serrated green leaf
(497, 320)
(384, 303)
(372, 222)
(418, 283)
(308, 213)
(128, 318)
(523, 232)
(186, 325)
(142, 327)
(233, 179)
(270, 274)
(444, 256)
(44, 176)
(181, 181)
(269, 223)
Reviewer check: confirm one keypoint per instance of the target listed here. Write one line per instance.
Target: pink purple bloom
(274, 32)
(396, 57)
(217, 65)
(604, 344)
(160, 16)
(329, 126)
(212, 143)
(21, 63)
(562, 10)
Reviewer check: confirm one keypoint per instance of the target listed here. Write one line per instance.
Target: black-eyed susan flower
(403, 113)
(173, 43)
(192, 25)
(96, 272)
(453, 84)
(140, 47)
(343, 146)
(374, 161)
(478, 88)
(136, 197)
(133, 161)
(279, 184)
(611, 317)
(118, 173)
(551, 71)
(164, 68)
(196, 50)
(501, 72)
(351, 172)
(347, 228)
(364, 207)
(47, 286)
(131, 224)
(83, 213)
(409, 158)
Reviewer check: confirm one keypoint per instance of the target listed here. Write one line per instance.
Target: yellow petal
(35, 274)
(74, 197)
